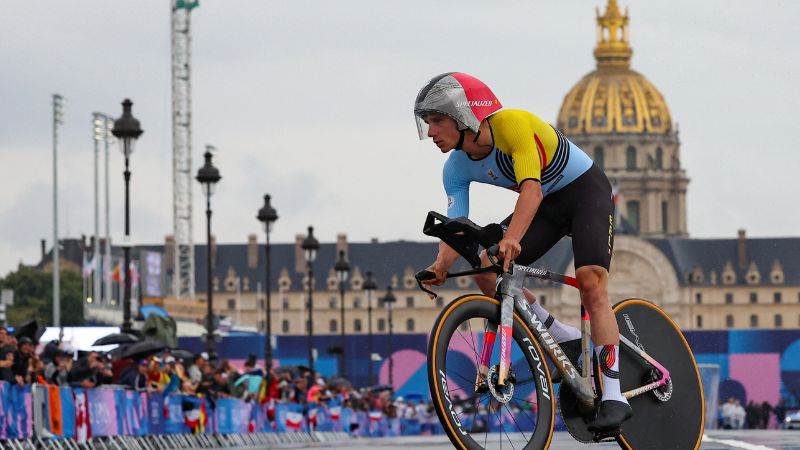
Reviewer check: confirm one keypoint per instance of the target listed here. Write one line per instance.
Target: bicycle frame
(513, 299)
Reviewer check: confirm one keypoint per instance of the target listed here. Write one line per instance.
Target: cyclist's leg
(591, 210)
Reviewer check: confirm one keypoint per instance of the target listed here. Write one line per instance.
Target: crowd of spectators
(168, 372)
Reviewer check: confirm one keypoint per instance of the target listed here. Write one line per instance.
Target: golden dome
(613, 98)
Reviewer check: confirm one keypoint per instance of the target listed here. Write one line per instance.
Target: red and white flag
(294, 420)
(336, 412)
(375, 416)
(312, 416)
(83, 428)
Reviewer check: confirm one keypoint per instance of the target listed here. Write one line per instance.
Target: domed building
(622, 121)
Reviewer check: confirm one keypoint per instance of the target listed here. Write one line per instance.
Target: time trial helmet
(462, 97)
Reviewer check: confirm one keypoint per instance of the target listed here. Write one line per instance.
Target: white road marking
(736, 444)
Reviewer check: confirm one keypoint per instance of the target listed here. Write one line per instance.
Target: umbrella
(27, 329)
(381, 388)
(116, 338)
(339, 382)
(185, 355)
(146, 310)
(142, 349)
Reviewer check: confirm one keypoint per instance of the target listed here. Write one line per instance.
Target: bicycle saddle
(463, 235)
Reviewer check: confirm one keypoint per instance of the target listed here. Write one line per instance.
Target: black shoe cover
(610, 415)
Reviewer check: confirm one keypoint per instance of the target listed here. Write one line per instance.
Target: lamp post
(310, 246)
(127, 129)
(208, 176)
(267, 216)
(369, 287)
(58, 119)
(388, 299)
(342, 268)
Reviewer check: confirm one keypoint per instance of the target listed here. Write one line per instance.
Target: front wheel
(477, 420)
(671, 418)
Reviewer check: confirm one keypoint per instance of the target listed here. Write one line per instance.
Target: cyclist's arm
(530, 197)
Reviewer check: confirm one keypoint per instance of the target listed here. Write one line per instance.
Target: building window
(664, 216)
(285, 303)
(285, 326)
(357, 303)
(409, 302)
(729, 321)
(332, 303)
(729, 298)
(630, 158)
(754, 297)
(231, 303)
(659, 158)
(262, 304)
(410, 325)
(600, 157)
(777, 297)
(333, 326)
(308, 325)
(699, 321)
(542, 300)
(698, 298)
(778, 321)
(381, 324)
(357, 325)
(439, 301)
(633, 214)
(753, 321)
(262, 324)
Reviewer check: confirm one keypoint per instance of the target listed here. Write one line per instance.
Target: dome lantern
(613, 48)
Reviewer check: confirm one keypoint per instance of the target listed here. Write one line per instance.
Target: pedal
(607, 435)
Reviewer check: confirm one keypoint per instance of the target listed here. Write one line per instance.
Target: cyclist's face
(443, 130)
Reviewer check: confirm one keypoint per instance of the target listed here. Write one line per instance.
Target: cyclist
(561, 192)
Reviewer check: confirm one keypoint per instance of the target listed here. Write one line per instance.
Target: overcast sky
(311, 101)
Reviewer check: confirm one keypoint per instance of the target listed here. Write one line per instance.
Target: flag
(88, 266)
(83, 428)
(271, 410)
(134, 274)
(117, 275)
(375, 416)
(192, 412)
(54, 410)
(294, 420)
(335, 412)
(312, 416)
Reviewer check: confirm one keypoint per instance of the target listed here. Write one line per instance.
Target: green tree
(33, 296)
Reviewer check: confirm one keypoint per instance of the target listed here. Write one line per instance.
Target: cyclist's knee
(593, 282)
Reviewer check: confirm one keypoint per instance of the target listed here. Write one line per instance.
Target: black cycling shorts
(583, 209)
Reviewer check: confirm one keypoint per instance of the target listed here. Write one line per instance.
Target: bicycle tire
(677, 423)
(481, 307)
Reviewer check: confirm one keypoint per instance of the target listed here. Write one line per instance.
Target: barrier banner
(15, 411)
(131, 412)
(103, 412)
(175, 421)
(59, 411)
(232, 415)
(83, 427)
(155, 413)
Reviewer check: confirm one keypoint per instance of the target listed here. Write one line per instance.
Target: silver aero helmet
(463, 97)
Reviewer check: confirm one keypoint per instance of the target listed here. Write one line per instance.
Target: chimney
(341, 244)
(299, 256)
(742, 248)
(44, 248)
(252, 251)
(169, 252)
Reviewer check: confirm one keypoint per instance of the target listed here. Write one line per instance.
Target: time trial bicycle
(490, 382)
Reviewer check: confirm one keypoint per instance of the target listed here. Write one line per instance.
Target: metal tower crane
(183, 272)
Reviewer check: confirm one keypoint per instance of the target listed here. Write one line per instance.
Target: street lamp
(369, 287)
(310, 246)
(267, 216)
(127, 130)
(342, 268)
(388, 299)
(208, 176)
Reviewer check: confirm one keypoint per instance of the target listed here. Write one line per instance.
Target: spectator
(765, 412)
(57, 371)
(6, 364)
(140, 382)
(25, 350)
(195, 372)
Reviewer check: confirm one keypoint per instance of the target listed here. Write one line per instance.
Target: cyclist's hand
(441, 276)
(509, 250)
